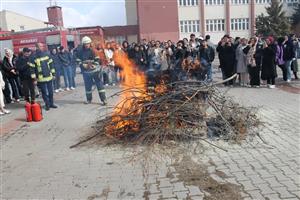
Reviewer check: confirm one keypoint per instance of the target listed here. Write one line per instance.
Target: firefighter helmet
(86, 40)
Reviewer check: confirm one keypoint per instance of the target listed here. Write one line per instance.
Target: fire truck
(52, 37)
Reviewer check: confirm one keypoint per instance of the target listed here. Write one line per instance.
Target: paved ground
(37, 163)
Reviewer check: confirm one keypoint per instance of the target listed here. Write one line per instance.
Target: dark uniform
(43, 71)
(91, 72)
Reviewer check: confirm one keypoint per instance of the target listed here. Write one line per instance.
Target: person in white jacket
(2, 105)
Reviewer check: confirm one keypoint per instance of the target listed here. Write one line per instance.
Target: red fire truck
(52, 37)
(49, 36)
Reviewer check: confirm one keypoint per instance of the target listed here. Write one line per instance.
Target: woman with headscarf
(10, 72)
(2, 105)
(241, 62)
(252, 62)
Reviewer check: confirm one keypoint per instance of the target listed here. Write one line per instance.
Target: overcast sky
(75, 12)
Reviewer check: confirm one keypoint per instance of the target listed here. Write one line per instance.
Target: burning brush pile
(175, 111)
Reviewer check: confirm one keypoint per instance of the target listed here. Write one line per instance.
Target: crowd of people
(254, 60)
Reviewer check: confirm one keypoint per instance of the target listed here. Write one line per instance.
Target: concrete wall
(14, 21)
(131, 12)
(158, 20)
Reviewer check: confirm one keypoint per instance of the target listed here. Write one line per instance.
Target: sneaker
(47, 108)
(56, 91)
(87, 102)
(2, 113)
(6, 111)
(272, 86)
(60, 90)
(72, 88)
(17, 100)
(289, 80)
(106, 84)
(67, 89)
(53, 106)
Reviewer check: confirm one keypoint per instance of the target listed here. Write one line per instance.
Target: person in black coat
(269, 62)
(58, 70)
(227, 58)
(25, 75)
(288, 56)
(11, 73)
(139, 58)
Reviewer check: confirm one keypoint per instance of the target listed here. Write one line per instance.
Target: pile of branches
(178, 111)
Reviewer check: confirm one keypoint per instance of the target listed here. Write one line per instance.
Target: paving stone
(255, 194)
(265, 189)
(248, 185)
(240, 176)
(284, 193)
(273, 182)
(178, 186)
(194, 191)
(256, 179)
(167, 192)
(181, 195)
(290, 185)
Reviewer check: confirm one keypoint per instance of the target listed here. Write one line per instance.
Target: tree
(275, 22)
(296, 19)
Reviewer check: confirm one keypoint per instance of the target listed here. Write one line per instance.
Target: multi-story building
(11, 21)
(202, 17)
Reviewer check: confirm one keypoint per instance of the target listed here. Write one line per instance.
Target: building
(177, 19)
(11, 21)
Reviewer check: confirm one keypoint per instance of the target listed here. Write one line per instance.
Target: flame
(131, 78)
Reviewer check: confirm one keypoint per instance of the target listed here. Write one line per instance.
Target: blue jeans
(90, 78)
(288, 65)
(47, 92)
(68, 74)
(209, 72)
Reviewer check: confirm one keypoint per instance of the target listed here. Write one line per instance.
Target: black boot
(296, 76)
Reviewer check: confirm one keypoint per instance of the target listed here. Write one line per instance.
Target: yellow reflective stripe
(39, 60)
(88, 92)
(45, 79)
(44, 58)
(33, 76)
(101, 91)
(40, 76)
(52, 70)
(30, 64)
(50, 61)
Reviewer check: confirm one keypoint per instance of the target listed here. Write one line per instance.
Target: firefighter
(91, 70)
(43, 72)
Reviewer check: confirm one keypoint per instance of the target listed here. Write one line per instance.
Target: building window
(237, 2)
(240, 24)
(263, 1)
(189, 26)
(215, 25)
(22, 27)
(188, 2)
(214, 2)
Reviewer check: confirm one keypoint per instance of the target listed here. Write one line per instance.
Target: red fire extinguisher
(36, 112)
(28, 112)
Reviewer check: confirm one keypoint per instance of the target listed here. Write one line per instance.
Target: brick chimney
(55, 16)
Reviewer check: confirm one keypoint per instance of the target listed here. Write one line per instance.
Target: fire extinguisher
(36, 112)
(28, 112)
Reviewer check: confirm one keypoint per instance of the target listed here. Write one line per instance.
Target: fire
(131, 78)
